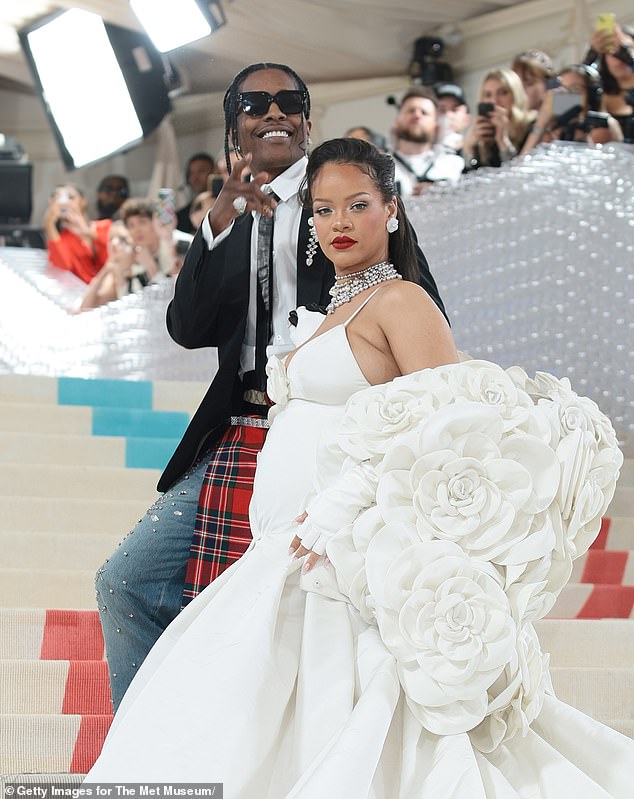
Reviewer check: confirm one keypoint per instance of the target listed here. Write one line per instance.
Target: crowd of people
(436, 137)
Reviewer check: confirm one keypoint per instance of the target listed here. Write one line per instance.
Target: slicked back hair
(230, 102)
(379, 167)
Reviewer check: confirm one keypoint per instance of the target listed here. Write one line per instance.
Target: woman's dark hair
(610, 83)
(230, 101)
(379, 167)
(591, 80)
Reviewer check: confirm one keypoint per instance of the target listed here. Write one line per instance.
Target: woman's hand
(224, 212)
(298, 550)
(499, 118)
(602, 41)
(76, 222)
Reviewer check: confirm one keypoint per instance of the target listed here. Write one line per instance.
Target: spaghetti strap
(361, 307)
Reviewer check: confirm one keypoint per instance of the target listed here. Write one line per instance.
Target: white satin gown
(271, 683)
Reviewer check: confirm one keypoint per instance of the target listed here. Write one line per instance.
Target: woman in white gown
(279, 680)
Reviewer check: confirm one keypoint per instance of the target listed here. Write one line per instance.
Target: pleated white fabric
(272, 683)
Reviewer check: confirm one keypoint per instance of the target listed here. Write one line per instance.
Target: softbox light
(101, 85)
(174, 23)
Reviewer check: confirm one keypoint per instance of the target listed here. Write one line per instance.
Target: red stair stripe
(87, 688)
(608, 602)
(604, 567)
(92, 733)
(72, 635)
(602, 539)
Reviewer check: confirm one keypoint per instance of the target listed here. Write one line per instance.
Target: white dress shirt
(442, 165)
(285, 234)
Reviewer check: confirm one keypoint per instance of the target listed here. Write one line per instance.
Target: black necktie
(264, 318)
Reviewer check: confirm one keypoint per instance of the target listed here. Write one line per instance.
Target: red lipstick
(342, 242)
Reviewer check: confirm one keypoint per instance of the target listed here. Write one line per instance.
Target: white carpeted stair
(68, 498)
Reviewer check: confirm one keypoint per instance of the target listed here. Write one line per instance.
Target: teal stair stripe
(134, 423)
(149, 453)
(104, 393)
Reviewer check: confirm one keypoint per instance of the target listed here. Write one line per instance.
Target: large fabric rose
(446, 619)
(488, 383)
(517, 696)
(481, 488)
(277, 385)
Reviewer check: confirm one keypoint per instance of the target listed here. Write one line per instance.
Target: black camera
(593, 120)
(425, 67)
(485, 109)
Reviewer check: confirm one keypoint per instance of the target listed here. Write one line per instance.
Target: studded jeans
(139, 588)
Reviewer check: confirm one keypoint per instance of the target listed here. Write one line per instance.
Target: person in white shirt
(420, 159)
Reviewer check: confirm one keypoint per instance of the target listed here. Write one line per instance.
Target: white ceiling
(325, 40)
(344, 49)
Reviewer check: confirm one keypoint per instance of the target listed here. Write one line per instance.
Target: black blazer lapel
(314, 281)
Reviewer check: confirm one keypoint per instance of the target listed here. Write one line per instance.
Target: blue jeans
(139, 588)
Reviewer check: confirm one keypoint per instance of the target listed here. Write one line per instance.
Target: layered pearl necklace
(348, 286)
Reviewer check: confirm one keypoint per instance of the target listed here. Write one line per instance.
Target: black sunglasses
(256, 104)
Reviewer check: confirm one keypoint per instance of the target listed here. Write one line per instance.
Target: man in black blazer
(220, 302)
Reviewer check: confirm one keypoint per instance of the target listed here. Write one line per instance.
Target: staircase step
(616, 534)
(626, 477)
(59, 515)
(165, 395)
(99, 421)
(36, 418)
(49, 744)
(623, 502)
(35, 633)
(65, 551)
(54, 686)
(587, 642)
(589, 601)
(38, 448)
(41, 588)
(98, 482)
(599, 692)
(604, 567)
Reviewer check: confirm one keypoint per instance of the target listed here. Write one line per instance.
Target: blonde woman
(502, 123)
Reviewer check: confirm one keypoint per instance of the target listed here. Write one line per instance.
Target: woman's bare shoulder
(405, 296)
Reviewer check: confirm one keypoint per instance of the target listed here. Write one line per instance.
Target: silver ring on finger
(240, 204)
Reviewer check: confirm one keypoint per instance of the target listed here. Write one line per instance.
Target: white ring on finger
(240, 204)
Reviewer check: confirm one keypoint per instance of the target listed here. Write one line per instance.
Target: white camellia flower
(480, 488)
(277, 385)
(517, 696)
(446, 619)
(482, 381)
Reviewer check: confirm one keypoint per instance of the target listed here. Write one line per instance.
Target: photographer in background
(612, 52)
(419, 160)
(499, 131)
(572, 111)
(74, 242)
(453, 116)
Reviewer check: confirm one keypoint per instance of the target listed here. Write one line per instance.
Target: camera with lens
(425, 66)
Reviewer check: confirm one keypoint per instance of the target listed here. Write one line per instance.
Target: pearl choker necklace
(348, 286)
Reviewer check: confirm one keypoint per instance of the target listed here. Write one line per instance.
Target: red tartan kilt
(222, 532)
